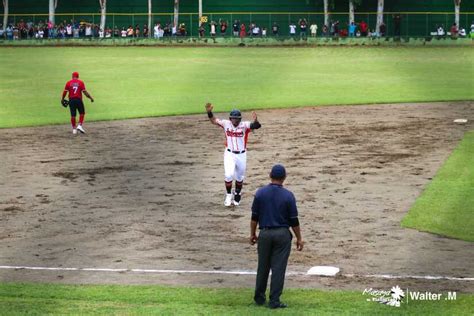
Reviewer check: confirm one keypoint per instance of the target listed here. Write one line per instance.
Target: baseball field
(129, 218)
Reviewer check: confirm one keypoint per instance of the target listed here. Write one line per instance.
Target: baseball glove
(65, 103)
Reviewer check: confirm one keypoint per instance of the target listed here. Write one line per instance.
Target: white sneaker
(81, 129)
(74, 131)
(228, 200)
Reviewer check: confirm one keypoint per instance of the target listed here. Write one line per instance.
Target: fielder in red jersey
(75, 88)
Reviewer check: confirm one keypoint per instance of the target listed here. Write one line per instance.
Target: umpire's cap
(235, 114)
(278, 172)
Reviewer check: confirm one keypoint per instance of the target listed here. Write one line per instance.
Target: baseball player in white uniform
(235, 153)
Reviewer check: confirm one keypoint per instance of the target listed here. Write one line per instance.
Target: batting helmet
(235, 114)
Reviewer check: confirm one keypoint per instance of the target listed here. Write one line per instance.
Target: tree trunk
(200, 12)
(379, 15)
(52, 9)
(103, 11)
(5, 14)
(176, 13)
(351, 11)
(457, 10)
(326, 13)
(149, 18)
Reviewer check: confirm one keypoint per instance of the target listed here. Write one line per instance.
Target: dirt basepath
(148, 193)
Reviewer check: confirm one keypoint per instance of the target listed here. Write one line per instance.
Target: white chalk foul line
(234, 272)
(157, 271)
(423, 277)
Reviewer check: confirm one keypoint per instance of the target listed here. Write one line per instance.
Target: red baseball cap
(75, 74)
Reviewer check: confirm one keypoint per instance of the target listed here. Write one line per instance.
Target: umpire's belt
(273, 227)
(235, 152)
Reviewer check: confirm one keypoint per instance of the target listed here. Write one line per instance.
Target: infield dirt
(148, 193)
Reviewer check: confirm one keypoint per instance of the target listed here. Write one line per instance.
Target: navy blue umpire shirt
(274, 206)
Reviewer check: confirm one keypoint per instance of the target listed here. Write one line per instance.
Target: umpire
(274, 209)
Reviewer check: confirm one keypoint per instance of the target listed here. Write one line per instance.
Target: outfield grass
(446, 207)
(17, 299)
(132, 82)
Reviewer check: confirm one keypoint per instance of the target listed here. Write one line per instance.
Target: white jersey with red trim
(236, 137)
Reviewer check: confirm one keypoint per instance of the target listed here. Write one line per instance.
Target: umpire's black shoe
(278, 305)
(260, 303)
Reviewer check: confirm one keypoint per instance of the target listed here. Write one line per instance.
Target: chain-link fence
(410, 24)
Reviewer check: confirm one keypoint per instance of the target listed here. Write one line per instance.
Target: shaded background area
(412, 24)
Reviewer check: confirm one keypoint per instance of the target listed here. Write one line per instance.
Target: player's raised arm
(211, 116)
(255, 124)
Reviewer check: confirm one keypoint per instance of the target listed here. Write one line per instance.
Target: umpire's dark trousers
(274, 246)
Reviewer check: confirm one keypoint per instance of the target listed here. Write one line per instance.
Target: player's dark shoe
(81, 129)
(237, 198)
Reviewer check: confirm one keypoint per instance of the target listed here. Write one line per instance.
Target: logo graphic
(394, 297)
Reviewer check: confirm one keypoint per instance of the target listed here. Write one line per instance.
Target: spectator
(50, 28)
(440, 31)
(2, 32)
(130, 31)
(363, 28)
(292, 29)
(75, 32)
(213, 29)
(182, 29)
(313, 29)
(156, 31)
(146, 32)
(462, 32)
(69, 31)
(251, 27)
(352, 29)
(137, 31)
(336, 28)
(303, 26)
(256, 31)
(101, 33)
(383, 29)
(454, 31)
(472, 30)
(40, 33)
(325, 30)
(397, 21)
(9, 32)
(89, 30)
(108, 32)
(174, 30)
(167, 30)
(236, 28)
(16, 33)
(123, 33)
(358, 34)
(275, 29)
(116, 32)
(223, 27)
(264, 32)
(201, 30)
(242, 31)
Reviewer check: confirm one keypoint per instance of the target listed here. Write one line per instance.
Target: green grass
(17, 299)
(446, 207)
(132, 82)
